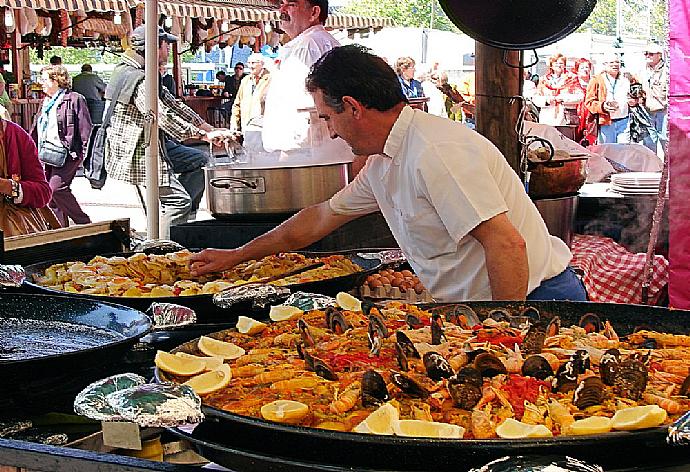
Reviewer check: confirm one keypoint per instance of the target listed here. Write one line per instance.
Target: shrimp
(488, 395)
(481, 425)
(663, 339)
(561, 415)
(346, 400)
(274, 376)
(290, 385)
(249, 370)
(677, 367)
(671, 406)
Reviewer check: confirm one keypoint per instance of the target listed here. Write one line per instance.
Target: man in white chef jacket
(286, 128)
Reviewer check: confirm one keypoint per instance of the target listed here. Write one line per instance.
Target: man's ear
(353, 106)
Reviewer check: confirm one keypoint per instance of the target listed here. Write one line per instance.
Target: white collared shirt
(436, 181)
(285, 128)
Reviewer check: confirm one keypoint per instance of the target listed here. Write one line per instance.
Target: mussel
(489, 365)
(400, 355)
(591, 323)
(538, 367)
(336, 321)
(437, 367)
(437, 336)
(307, 338)
(469, 374)
(553, 327)
(532, 313)
(630, 379)
(588, 393)
(376, 333)
(581, 360)
(374, 390)
(463, 316)
(566, 377)
(406, 344)
(465, 395)
(408, 386)
(533, 342)
(322, 369)
(608, 365)
(500, 315)
(413, 321)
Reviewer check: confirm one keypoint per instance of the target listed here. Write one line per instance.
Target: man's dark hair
(220, 73)
(354, 71)
(56, 60)
(323, 5)
(239, 64)
(86, 68)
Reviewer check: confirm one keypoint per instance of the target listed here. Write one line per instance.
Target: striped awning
(236, 10)
(71, 5)
(343, 21)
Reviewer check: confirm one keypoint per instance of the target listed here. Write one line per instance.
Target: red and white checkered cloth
(612, 273)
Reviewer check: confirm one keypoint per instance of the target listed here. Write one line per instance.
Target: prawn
(346, 400)
(671, 406)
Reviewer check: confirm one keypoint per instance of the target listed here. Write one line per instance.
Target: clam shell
(489, 365)
(538, 367)
(630, 379)
(588, 393)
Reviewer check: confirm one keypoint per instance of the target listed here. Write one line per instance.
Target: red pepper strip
(177, 291)
(521, 388)
(508, 341)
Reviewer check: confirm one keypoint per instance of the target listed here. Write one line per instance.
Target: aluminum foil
(679, 431)
(170, 315)
(309, 301)
(538, 464)
(156, 246)
(92, 401)
(157, 405)
(12, 275)
(260, 295)
(389, 256)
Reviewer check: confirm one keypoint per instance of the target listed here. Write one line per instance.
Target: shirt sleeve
(174, 117)
(357, 198)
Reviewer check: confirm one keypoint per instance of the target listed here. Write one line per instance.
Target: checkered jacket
(125, 150)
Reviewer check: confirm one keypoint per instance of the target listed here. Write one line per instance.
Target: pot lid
(518, 24)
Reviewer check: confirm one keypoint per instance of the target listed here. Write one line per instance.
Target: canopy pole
(151, 86)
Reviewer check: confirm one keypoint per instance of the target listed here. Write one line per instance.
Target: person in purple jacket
(62, 125)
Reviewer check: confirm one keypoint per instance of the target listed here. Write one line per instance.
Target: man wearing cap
(285, 127)
(607, 97)
(655, 84)
(248, 107)
(126, 136)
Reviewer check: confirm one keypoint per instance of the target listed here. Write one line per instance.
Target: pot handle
(226, 183)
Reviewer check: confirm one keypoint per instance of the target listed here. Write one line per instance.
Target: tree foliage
(72, 55)
(642, 19)
(412, 13)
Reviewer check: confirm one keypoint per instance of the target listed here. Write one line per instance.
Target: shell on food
(307, 338)
(406, 344)
(554, 326)
(581, 360)
(408, 386)
(437, 336)
(630, 379)
(437, 367)
(489, 365)
(533, 342)
(499, 315)
(532, 313)
(374, 390)
(588, 393)
(323, 370)
(463, 316)
(608, 364)
(336, 321)
(591, 323)
(413, 321)
(400, 355)
(566, 377)
(469, 374)
(465, 395)
(538, 367)
(376, 333)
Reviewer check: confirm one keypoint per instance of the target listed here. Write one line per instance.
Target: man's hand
(219, 136)
(214, 260)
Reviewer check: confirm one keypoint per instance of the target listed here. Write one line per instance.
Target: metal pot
(233, 189)
(561, 175)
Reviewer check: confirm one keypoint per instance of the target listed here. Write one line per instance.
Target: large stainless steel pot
(234, 189)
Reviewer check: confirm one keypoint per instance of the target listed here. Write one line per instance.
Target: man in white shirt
(655, 83)
(285, 126)
(458, 211)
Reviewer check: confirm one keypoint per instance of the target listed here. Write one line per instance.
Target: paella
(398, 369)
(168, 275)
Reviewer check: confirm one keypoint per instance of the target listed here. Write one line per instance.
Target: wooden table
(210, 109)
(24, 110)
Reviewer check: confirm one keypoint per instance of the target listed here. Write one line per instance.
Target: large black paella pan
(255, 445)
(51, 347)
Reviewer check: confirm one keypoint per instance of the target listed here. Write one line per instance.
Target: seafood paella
(168, 275)
(402, 370)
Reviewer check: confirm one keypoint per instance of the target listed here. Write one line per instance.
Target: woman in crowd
(576, 89)
(551, 86)
(405, 68)
(23, 184)
(61, 131)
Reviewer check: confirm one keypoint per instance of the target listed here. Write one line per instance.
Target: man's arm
(306, 227)
(506, 257)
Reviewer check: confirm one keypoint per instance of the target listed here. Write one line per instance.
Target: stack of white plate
(636, 183)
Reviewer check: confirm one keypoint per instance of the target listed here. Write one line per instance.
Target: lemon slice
(427, 429)
(284, 312)
(210, 381)
(212, 363)
(348, 302)
(284, 411)
(246, 325)
(379, 421)
(513, 429)
(638, 417)
(591, 425)
(178, 365)
(213, 347)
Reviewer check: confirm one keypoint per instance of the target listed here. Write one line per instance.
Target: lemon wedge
(284, 411)
(246, 325)
(212, 363)
(178, 365)
(591, 425)
(348, 302)
(210, 381)
(379, 421)
(638, 417)
(284, 312)
(214, 347)
(513, 429)
(427, 429)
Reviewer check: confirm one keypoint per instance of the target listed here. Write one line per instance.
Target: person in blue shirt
(405, 67)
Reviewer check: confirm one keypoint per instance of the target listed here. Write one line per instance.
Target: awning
(71, 5)
(238, 10)
(343, 21)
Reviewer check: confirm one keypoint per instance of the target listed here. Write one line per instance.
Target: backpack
(94, 161)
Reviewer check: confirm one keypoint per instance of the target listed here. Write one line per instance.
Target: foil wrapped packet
(538, 464)
(170, 315)
(92, 401)
(155, 246)
(157, 405)
(260, 295)
(309, 301)
(387, 257)
(12, 275)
